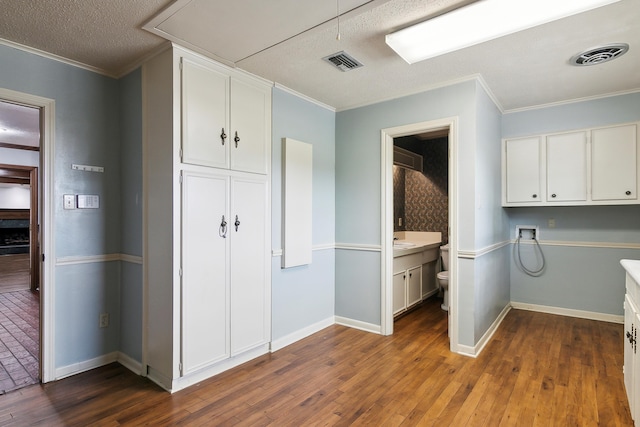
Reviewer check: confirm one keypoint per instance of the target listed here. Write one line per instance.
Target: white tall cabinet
(206, 174)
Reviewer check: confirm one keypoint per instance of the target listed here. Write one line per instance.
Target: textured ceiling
(524, 69)
(103, 34)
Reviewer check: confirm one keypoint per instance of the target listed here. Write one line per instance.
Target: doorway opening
(443, 128)
(21, 254)
(420, 219)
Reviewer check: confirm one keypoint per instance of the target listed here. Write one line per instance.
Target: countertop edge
(632, 266)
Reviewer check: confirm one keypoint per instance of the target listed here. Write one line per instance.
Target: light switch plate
(69, 201)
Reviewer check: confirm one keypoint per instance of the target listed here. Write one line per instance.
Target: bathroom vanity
(415, 261)
(631, 335)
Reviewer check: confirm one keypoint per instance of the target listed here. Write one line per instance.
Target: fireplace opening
(14, 236)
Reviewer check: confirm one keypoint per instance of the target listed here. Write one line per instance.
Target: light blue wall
(358, 183)
(490, 287)
(589, 279)
(86, 132)
(303, 296)
(130, 108)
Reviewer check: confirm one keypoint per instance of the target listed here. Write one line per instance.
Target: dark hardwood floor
(14, 272)
(539, 369)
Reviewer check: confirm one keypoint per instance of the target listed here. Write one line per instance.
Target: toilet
(443, 276)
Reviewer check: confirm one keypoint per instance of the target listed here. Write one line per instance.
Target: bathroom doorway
(420, 219)
(444, 128)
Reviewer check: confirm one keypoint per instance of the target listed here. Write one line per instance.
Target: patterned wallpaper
(423, 198)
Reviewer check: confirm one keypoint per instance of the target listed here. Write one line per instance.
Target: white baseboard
(474, 351)
(357, 324)
(281, 343)
(130, 363)
(591, 315)
(87, 365)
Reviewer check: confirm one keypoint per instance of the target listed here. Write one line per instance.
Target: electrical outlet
(104, 320)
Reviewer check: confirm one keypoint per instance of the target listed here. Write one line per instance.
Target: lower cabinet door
(205, 293)
(250, 297)
(629, 317)
(414, 286)
(399, 292)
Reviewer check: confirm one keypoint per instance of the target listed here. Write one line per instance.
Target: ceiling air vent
(601, 54)
(343, 61)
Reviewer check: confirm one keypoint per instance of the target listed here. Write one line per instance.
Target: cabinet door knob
(628, 193)
(236, 139)
(534, 196)
(237, 223)
(553, 195)
(222, 231)
(223, 136)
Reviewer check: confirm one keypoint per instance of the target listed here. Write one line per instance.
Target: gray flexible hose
(532, 273)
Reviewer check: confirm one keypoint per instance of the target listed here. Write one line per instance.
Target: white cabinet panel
(429, 283)
(226, 120)
(631, 335)
(596, 166)
(399, 292)
(205, 115)
(523, 170)
(250, 125)
(614, 167)
(248, 234)
(205, 291)
(567, 167)
(414, 286)
(629, 328)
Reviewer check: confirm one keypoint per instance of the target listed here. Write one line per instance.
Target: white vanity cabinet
(225, 118)
(596, 166)
(430, 259)
(407, 282)
(631, 336)
(207, 263)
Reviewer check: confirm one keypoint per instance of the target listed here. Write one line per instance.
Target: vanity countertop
(411, 242)
(632, 266)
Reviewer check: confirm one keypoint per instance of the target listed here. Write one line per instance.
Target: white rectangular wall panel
(297, 171)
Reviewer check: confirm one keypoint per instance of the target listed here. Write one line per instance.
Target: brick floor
(19, 339)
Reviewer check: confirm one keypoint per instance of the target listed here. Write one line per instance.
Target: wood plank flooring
(539, 369)
(14, 272)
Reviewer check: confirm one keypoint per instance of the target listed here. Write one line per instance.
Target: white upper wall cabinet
(614, 154)
(522, 169)
(225, 117)
(567, 167)
(205, 115)
(597, 166)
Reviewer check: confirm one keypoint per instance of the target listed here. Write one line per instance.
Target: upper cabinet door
(251, 126)
(614, 163)
(205, 116)
(523, 170)
(567, 167)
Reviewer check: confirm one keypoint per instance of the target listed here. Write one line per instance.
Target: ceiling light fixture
(480, 22)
